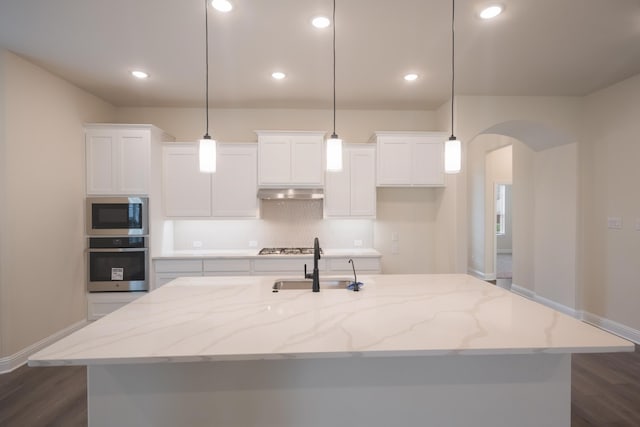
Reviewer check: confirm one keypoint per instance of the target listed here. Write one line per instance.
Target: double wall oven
(117, 238)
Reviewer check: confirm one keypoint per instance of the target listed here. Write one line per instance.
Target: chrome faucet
(315, 276)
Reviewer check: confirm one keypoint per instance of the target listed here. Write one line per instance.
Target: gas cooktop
(287, 251)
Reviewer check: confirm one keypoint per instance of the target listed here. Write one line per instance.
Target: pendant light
(452, 147)
(334, 144)
(207, 151)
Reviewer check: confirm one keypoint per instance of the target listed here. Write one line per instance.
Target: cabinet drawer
(178, 266)
(285, 265)
(227, 265)
(364, 265)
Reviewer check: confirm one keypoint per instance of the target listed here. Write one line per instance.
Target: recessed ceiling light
(491, 11)
(278, 75)
(320, 22)
(139, 74)
(411, 77)
(222, 5)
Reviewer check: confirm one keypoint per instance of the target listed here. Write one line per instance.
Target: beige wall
(555, 223)
(610, 175)
(43, 274)
(3, 190)
(523, 213)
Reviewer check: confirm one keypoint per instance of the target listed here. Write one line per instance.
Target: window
(501, 211)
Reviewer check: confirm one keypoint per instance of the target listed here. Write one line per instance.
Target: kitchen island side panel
(528, 390)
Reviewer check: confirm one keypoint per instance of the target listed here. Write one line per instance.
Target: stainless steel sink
(283, 284)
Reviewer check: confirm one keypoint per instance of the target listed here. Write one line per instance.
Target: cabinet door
(394, 162)
(186, 190)
(133, 162)
(363, 182)
(100, 152)
(306, 160)
(337, 190)
(428, 162)
(235, 181)
(274, 160)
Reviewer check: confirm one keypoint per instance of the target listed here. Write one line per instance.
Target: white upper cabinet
(230, 192)
(407, 159)
(290, 158)
(186, 192)
(118, 158)
(351, 192)
(235, 181)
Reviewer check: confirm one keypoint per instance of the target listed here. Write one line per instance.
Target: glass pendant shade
(452, 155)
(207, 155)
(334, 154)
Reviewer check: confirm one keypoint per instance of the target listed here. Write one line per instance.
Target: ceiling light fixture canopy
(222, 5)
(492, 11)
(139, 74)
(207, 149)
(452, 147)
(334, 144)
(320, 22)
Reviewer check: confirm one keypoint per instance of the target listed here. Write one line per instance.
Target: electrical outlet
(394, 248)
(197, 244)
(394, 236)
(253, 243)
(614, 223)
(357, 243)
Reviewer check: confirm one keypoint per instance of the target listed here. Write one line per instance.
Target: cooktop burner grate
(287, 251)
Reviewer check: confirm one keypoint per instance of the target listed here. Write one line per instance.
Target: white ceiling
(536, 47)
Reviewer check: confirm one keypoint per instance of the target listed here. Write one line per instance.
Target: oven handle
(117, 249)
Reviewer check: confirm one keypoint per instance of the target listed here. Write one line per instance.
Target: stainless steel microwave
(117, 216)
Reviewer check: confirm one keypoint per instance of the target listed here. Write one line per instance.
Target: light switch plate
(357, 243)
(394, 236)
(253, 243)
(197, 244)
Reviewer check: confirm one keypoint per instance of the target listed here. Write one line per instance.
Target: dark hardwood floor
(605, 392)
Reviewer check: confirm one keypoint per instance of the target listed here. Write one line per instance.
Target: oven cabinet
(410, 159)
(118, 158)
(290, 158)
(230, 192)
(102, 303)
(351, 192)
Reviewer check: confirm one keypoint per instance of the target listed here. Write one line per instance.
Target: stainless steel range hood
(290, 193)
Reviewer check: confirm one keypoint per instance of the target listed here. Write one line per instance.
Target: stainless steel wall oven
(118, 264)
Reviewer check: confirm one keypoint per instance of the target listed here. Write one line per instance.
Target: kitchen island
(441, 350)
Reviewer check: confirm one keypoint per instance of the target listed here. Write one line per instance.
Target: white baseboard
(9, 363)
(611, 326)
(482, 276)
(524, 292)
(608, 325)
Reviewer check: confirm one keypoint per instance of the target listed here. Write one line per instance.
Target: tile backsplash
(283, 223)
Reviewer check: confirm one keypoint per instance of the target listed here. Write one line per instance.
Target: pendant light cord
(334, 70)
(206, 62)
(453, 54)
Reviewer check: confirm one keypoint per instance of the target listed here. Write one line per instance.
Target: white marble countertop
(253, 253)
(240, 318)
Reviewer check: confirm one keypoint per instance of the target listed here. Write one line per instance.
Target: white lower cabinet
(168, 269)
(227, 267)
(102, 303)
(286, 266)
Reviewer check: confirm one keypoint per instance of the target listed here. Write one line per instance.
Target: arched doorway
(544, 208)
